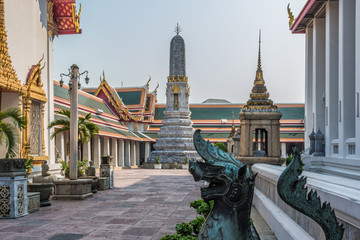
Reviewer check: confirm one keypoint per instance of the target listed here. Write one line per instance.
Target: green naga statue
(231, 186)
(292, 191)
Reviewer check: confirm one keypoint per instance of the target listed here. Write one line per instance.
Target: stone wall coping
(342, 193)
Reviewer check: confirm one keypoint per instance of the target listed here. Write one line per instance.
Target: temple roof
(216, 121)
(259, 96)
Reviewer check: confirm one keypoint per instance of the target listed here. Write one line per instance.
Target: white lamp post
(74, 85)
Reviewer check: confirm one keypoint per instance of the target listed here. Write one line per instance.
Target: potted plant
(157, 164)
(185, 165)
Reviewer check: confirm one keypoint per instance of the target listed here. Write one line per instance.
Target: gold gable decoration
(8, 77)
(34, 99)
(52, 27)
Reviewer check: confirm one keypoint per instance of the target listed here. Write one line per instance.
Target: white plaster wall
(26, 22)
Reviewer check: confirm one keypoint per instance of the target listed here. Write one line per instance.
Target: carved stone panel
(21, 197)
(35, 128)
(4, 201)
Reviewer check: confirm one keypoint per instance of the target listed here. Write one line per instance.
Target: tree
(86, 128)
(8, 130)
(222, 146)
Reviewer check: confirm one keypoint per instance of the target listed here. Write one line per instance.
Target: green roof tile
(130, 98)
(227, 113)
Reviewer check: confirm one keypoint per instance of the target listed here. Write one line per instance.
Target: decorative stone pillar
(312, 142)
(13, 188)
(137, 149)
(107, 170)
(319, 144)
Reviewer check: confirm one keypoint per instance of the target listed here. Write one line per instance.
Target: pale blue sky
(131, 39)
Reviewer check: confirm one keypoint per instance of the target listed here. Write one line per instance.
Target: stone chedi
(175, 143)
(260, 125)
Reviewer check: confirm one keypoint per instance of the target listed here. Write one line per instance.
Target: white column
(106, 147)
(331, 74)
(147, 151)
(283, 150)
(309, 119)
(121, 153)
(132, 153)
(346, 73)
(127, 153)
(114, 151)
(137, 149)
(87, 151)
(319, 74)
(97, 151)
(60, 144)
(357, 79)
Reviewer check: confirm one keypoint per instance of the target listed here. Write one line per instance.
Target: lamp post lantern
(74, 85)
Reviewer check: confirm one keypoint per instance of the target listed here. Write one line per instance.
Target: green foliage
(28, 166)
(8, 130)
(202, 208)
(65, 167)
(190, 231)
(86, 128)
(290, 158)
(157, 160)
(221, 145)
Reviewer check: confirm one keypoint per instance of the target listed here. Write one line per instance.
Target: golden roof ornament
(8, 77)
(259, 96)
(232, 133)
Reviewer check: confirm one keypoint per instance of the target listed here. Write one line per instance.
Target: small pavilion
(260, 125)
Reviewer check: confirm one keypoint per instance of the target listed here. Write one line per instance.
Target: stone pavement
(145, 204)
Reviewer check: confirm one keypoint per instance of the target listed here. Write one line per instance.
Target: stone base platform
(104, 183)
(268, 160)
(66, 189)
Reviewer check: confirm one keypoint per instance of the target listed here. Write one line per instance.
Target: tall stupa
(175, 139)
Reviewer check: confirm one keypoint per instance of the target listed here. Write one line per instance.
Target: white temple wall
(26, 26)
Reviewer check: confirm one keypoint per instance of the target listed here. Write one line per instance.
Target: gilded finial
(177, 29)
(291, 16)
(148, 80)
(103, 75)
(259, 57)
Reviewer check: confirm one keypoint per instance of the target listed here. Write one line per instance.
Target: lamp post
(74, 85)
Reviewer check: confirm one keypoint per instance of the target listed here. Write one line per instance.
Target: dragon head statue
(230, 185)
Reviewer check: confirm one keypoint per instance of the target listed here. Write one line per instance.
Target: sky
(130, 40)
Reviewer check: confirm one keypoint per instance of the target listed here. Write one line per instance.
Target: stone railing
(287, 223)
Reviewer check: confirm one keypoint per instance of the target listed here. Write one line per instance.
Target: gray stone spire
(177, 55)
(174, 142)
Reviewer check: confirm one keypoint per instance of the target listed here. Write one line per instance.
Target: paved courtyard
(145, 204)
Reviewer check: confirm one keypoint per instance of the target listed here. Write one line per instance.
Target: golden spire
(259, 96)
(259, 56)
(8, 77)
